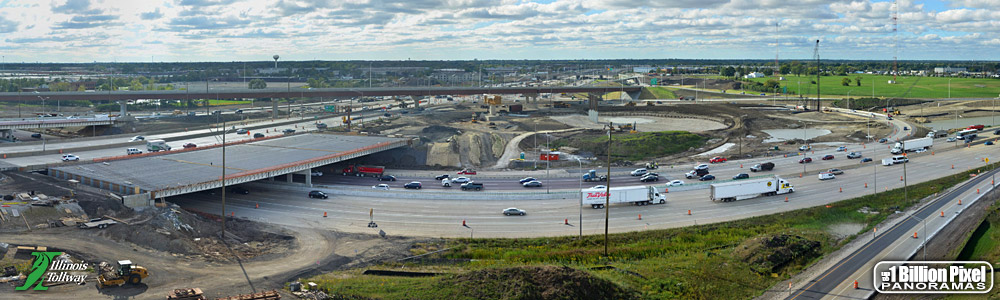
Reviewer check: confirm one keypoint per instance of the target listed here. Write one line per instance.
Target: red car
(806, 160)
(466, 172)
(717, 159)
(190, 145)
(828, 157)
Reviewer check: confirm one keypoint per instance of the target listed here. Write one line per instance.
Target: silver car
(513, 211)
(462, 179)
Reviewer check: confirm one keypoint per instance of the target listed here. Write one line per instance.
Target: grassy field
(634, 146)
(731, 260)
(657, 93)
(906, 87)
(984, 245)
(215, 102)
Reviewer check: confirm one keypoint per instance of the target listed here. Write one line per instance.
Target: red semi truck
(976, 127)
(360, 170)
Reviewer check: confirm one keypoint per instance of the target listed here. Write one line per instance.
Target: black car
(883, 140)
(317, 194)
(258, 135)
(707, 177)
(442, 176)
(996, 132)
(413, 185)
(526, 179)
(741, 176)
(649, 178)
(36, 135)
(866, 159)
(387, 178)
(239, 190)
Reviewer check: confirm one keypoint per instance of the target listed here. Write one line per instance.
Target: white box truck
(912, 145)
(746, 189)
(638, 195)
(157, 145)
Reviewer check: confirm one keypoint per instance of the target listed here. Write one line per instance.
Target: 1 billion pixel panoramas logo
(933, 277)
(45, 262)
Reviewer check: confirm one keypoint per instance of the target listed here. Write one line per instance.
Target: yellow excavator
(126, 272)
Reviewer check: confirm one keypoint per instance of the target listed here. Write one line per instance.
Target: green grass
(906, 86)
(657, 93)
(215, 102)
(697, 262)
(634, 146)
(984, 245)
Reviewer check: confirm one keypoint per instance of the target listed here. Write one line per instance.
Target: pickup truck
(472, 186)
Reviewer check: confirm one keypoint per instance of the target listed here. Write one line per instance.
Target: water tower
(275, 62)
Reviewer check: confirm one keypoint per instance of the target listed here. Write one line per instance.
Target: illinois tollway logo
(933, 277)
(45, 263)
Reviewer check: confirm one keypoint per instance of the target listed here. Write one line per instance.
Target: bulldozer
(126, 272)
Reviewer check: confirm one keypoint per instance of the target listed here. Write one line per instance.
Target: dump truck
(592, 176)
(912, 145)
(362, 171)
(124, 272)
(636, 195)
(750, 188)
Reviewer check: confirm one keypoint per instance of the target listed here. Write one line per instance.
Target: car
(866, 159)
(288, 131)
(533, 183)
(242, 131)
(951, 139)
(36, 135)
(70, 157)
(137, 138)
(239, 111)
(676, 183)
(527, 179)
(854, 155)
(695, 173)
(413, 185)
(239, 190)
(921, 150)
(988, 143)
(466, 172)
(805, 148)
(883, 140)
(826, 176)
(131, 151)
(600, 187)
(841, 149)
(472, 186)
(906, 128)
(701, 167)
(649, 178)
(707, 177)
(190, 145)
(996, 132)
(387, 115)
(258, 135)
(318, 194)
(321, 126)
(513, 211)
(717, 159)
(382, 186)
(827, 157)
(316, 173)
(741, 176)
(835, 171)
(806, 160)
(462, 179)
(639, 172)
(387, 178)
(442, 176)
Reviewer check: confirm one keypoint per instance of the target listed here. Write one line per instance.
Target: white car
(70, 157)
(805, 148)
(701, 167)
(600, 187)
(511, 211)
(384, 187)
(137, 138)
(921, 150)
(951, 139)
(317, 173)
(639, 172)
(462, 179)
(676, 183)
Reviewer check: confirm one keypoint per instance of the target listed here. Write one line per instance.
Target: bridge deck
(174, 174)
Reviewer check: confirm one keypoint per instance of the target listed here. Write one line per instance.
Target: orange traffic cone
(866, 185)
(959, 201)
(232, 214)
(463, 223)
(786, 198)
(640, 216)
(689, 212)
(256, 205)
(942, 213)
(855, 284)
(565, 221)
(841, 190)
(324, 214)
(914, 234)
(900, 178)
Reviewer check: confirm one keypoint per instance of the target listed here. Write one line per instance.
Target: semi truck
(747, 189)
(362, 171)
(637, 195)
(591, 176)
(912, 145)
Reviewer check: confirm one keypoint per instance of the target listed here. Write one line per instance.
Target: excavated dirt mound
(547, 282)
(771, 254)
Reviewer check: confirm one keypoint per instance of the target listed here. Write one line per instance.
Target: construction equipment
(560, 104)
(186, 294)
(652, 165)
(125, 272)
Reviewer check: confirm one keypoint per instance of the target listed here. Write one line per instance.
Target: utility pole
(607, 192)
(816, 56)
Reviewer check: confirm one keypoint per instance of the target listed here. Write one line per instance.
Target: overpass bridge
(7, 127)
(149, 176)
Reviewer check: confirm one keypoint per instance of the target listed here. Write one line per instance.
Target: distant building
(754, 75)
(643, 69)
(950, 70)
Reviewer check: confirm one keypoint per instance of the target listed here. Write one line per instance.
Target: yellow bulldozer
(125, 272)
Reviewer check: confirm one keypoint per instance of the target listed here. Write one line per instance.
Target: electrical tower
(895, 41)
(816, 57)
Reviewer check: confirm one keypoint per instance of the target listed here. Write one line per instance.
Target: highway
(894, 243)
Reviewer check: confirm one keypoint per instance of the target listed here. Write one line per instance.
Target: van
(898, 159)
(131, 151)
(826, 176)
(887, 161)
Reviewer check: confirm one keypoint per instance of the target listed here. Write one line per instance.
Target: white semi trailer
(638, 195)
(750, 188)
(912, 145)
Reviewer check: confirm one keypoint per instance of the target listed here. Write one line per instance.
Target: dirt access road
(317, 251)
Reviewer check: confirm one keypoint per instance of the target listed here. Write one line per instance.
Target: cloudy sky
(235, 30)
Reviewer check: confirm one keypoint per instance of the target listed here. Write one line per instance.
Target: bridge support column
(309, 178)
(531, 98)
(7, 134)
(288, 177)
(123, 111)
(274, 108)
(592, 100)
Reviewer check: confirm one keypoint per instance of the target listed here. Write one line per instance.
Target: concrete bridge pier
(592, 101)
(123, 108)
(7, 134)
(531, 98)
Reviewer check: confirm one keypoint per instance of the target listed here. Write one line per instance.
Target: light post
(580, 223)
(849, 99)
(949, 88)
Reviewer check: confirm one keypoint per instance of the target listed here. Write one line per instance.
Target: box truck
(638, 195)
(912, 145)
(746, 189)
(157, 145)
(362, 171)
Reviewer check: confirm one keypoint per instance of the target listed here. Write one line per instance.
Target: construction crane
(816, 57)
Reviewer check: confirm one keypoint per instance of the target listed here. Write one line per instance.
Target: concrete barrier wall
(137, 200)
(412, 194)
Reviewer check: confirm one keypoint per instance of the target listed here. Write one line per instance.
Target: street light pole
(949, 88)
(581, 198)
